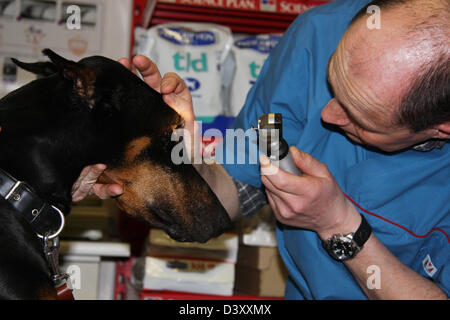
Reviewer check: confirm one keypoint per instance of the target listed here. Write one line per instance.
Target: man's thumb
(307, 163)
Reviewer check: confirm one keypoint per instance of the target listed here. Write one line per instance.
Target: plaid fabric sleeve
(251, 198)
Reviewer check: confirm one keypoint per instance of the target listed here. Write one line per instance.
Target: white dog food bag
(195, 51)
(250, 52)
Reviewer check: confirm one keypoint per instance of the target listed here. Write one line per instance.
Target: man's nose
(334, 113)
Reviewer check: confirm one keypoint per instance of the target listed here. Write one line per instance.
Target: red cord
(398, 225)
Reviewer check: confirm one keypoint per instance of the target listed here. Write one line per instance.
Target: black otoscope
(272, 144)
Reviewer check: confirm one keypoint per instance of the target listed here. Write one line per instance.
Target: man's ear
(444, 130)
(82, 77)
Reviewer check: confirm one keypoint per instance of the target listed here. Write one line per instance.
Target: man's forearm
(397, 281)
(375, 263)
(223, 186)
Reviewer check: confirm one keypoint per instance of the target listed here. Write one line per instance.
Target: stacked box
(191, 267)
(260, 270)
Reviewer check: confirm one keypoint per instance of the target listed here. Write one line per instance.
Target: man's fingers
(280, 179)
(149, 71)
(180, 105)
(175, 91)
(272, 203)
(106, 191)
(280, 209)
(308, 164)
(172, 83)
(127, 64)
(86, 181)
(285, 197)
(267, 168)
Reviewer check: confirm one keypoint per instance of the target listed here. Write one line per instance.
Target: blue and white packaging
(195, 51)
(250, 52)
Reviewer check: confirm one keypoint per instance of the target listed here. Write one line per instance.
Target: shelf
(253, 18)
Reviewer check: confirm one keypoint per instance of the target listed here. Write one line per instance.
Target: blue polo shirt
(405, 197)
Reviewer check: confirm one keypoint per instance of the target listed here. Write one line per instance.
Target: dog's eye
(126, 182)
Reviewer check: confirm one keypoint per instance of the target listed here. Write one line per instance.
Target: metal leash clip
(51, 236)
(51, 252)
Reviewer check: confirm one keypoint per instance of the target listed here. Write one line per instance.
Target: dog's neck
(48, 169)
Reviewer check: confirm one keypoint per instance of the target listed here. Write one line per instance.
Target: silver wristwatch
(344, 247)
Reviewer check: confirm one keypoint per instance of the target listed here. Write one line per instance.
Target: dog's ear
(82, 77)
(38, 68)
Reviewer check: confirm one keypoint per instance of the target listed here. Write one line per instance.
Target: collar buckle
(12, 190)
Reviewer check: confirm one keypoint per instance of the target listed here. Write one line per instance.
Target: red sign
(279, 6)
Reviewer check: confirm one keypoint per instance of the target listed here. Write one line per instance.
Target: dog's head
(119, 120)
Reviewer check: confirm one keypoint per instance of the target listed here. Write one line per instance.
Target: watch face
(342, 247)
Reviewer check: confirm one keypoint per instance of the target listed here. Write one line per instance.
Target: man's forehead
(366, 115)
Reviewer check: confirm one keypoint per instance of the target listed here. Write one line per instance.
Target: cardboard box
(223, 248)
(189, 275)
(260, 271)
(207, 268)
(259, 230)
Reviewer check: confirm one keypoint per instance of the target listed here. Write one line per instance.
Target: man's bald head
(406, 62)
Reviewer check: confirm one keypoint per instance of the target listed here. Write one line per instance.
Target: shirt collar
(430, 145)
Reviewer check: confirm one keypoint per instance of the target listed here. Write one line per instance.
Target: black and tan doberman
(81, 113)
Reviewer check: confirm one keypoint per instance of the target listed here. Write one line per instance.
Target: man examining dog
(368, 114)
